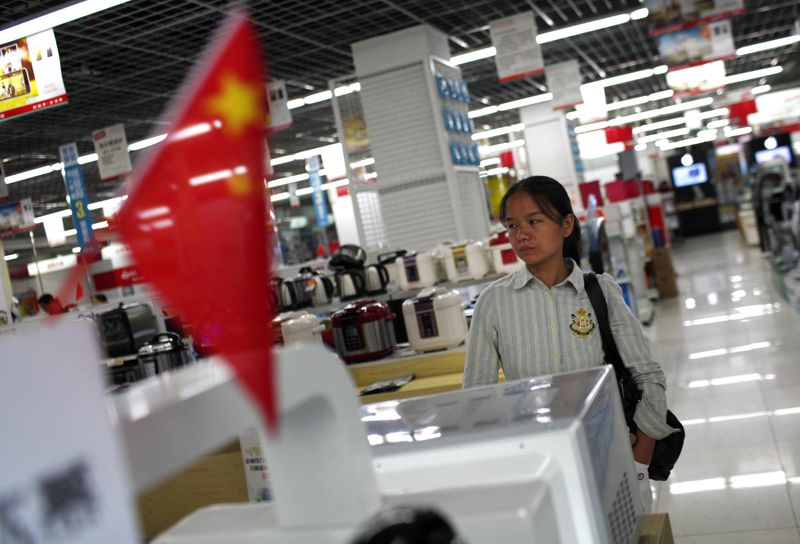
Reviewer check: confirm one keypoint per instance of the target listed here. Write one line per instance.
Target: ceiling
(126, 63)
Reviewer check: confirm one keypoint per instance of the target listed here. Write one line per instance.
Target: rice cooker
(302, 327)
(464, 261)
(416, 271)
(504, 258)
(435, 319)
(363, 331)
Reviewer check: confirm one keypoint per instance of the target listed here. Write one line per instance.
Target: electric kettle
(350, 284)
(324, 290)
(376, 278)
(287, 297)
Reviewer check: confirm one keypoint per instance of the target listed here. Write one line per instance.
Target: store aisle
(729, 345)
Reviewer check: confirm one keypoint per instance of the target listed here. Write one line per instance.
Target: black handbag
(668, 449)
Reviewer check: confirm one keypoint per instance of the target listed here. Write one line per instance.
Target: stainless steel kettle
(376, 278)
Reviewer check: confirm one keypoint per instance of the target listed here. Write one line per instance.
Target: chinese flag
(195, 218)
(78, 291)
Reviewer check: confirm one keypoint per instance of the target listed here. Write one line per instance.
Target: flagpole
(36, 260)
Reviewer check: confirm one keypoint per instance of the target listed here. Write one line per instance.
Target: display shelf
(401, 294)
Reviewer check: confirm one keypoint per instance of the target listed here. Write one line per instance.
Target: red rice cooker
(363, 331)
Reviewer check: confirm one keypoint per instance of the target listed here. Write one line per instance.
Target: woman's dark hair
(556, 205)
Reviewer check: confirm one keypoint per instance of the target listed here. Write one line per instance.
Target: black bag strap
(598, 300)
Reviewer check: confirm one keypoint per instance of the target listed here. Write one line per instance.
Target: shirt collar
(523, 277)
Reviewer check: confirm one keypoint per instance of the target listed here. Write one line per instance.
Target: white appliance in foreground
(566, 432)
(511, 459)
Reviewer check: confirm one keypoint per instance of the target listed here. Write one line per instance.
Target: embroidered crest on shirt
(582, 324)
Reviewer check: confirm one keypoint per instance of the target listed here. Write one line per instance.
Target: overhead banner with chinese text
(30, 78)
(518, 54)
(697, 45)
(564, 82)
(671, 16)
(78, 199)
(111, 146)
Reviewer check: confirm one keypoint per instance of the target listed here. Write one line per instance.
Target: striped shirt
(528, 329)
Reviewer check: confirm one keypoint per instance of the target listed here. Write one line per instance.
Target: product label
(460, 258)
(426, 318)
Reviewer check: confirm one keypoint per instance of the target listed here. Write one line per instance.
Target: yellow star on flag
(238, 103)
(239, 185)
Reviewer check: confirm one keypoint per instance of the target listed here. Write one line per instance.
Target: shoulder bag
(668, 449)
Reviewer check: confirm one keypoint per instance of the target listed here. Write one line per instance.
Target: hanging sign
(64, 476)
(697, 79)
(670, 16)
(279, 115)
(78, 199)
(333, 161)
(54, 230)
(30, 78)
(697, 45)
(518, 54)
(16, 217)
(111, 146)
(318, 195)
(294, 199)
(564, 81)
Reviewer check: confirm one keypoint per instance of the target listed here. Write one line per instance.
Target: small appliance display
(435, 319)
(301, 327)
(416, 271)
(163, 353)
(127, 328)
(348, 256)
(363, 331)
(464, 261)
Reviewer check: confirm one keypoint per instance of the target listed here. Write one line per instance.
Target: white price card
(63, 473)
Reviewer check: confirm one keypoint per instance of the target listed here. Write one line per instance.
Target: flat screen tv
(783, 152)
(683, 176)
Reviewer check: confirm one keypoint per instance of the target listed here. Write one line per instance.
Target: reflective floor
(730, 348)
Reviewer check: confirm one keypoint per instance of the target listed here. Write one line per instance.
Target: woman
(539, 320)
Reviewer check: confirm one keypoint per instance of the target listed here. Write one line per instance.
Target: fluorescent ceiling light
(287, 180)
(522, 102)
(719, 112)
(57, 17)
(761, 89)
(486, 150)
(519, 127)
(583, 28)
(734, 132)
(141, 144)
(472, 56)
(318, 97)
(663, 135)
(685, 143)
(674, 122)
(718, 123)
(619, 104)
(489, 162)
(640, 13)
(661, 95)
(483, 112)
(640, 147)
(755, 74)
(295, 103)
(764, 46)
(11, 257)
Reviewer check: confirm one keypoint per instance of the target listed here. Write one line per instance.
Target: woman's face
(536, 238)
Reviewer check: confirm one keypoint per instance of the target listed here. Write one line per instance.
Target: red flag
(78, 291)
(195, 218)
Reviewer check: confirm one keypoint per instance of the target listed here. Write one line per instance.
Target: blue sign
(78, 199)
(317, 196)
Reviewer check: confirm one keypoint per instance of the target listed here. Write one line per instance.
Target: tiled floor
(730, 347)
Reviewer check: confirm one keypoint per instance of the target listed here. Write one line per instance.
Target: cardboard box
(656, 529)
(666, 279)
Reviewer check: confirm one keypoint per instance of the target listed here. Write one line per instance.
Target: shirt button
(552, 326)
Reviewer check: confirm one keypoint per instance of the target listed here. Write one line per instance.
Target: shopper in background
(51, 305)
(99, 298)
(539, 320)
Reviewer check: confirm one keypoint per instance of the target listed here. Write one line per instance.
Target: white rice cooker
(504, 258)
(464, 261)
(303, 327)
(435, 319)
(416, 271)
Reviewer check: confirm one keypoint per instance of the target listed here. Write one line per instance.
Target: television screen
(782, 152)
(683, 176)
